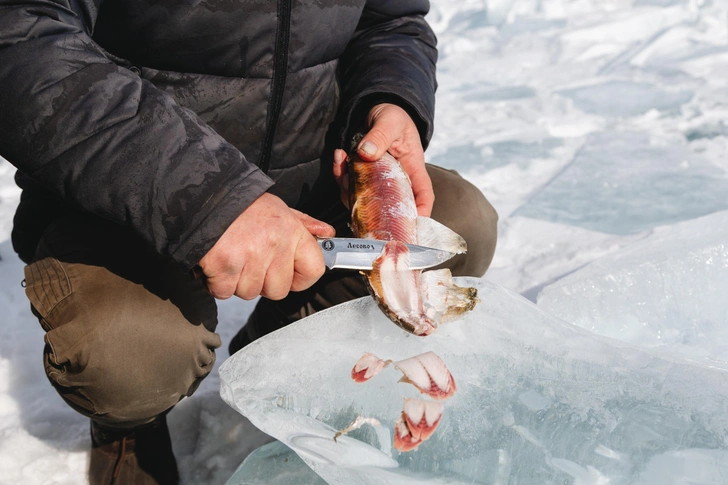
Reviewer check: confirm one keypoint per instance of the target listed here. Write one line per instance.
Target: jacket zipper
(280, 67)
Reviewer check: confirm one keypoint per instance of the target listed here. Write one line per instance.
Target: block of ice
(614, 185)
(538, 400)
(667, 291)
(274, 464)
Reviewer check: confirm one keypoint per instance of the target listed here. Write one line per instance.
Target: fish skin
(404, 440)
(383, 207)
(381, 200)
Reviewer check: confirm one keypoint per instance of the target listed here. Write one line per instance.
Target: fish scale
(383, 188)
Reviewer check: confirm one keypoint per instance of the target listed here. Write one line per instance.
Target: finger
(251, 281)
(278, 279)
(221, 287)
(221, 276)
(314, 226)
(423, 192)
(340, 165)
(383, 132)
(341, 174)
(308, 264)
(414, 165)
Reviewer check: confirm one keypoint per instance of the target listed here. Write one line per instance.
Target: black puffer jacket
(172, 116)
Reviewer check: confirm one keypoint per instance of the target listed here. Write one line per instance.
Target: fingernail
(368, 147)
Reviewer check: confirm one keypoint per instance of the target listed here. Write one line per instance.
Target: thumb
(314, 226)
(384, 131)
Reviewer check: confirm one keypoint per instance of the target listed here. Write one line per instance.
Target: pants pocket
(47, 285)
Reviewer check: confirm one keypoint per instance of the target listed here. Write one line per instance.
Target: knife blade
(355, 253)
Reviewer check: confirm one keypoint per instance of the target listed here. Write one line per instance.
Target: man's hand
(391, 129)
(268, 250)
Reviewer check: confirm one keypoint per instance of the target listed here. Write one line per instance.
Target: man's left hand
(391, 129)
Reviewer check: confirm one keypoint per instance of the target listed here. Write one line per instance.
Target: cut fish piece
(422, 417)
(418, 421)
(429, 374)
(367, 367)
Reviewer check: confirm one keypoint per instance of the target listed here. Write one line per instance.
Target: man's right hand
(268, 250)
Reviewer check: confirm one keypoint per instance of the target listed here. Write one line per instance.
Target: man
(155, 137)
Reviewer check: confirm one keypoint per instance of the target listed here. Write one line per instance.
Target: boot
(136, 456)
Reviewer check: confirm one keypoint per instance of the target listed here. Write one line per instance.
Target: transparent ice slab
(539, 401)
(667, 291)
(274, 464)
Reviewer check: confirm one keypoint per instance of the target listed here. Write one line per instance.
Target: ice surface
(623, 183)
(538, 401)
(497, 154)
(626, 98)
(274, 464)
(667, 291)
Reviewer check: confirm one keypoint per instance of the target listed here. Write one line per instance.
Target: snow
(589, 124)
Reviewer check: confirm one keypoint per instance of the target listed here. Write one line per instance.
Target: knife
(355, 253)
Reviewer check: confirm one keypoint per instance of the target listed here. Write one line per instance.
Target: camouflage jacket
(170, 117)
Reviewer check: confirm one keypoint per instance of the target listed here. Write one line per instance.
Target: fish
(383, 207)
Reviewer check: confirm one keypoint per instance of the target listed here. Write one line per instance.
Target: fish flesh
(419, 418)
(418, 421)
(427, 372)
(383, 207)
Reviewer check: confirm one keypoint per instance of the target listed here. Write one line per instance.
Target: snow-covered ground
(589, 124)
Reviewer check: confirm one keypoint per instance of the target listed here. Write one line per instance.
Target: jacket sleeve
(391, 58)
(109, 143)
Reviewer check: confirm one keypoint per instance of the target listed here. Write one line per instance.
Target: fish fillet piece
(419, 418)
(367, 367)
(418, 421)
(427, 372)
(383, 207)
